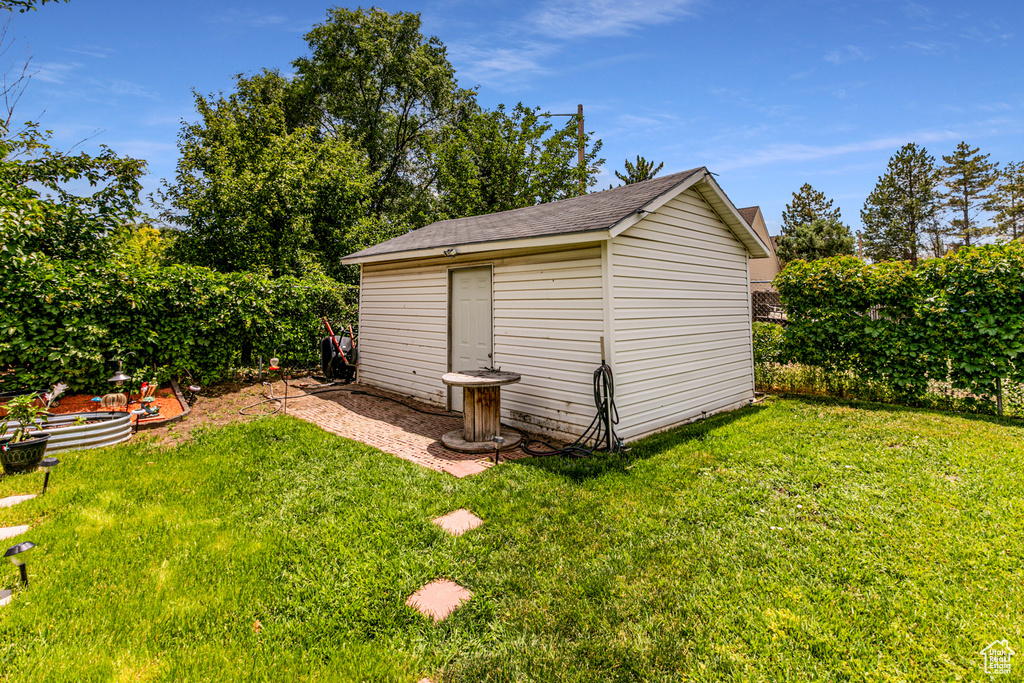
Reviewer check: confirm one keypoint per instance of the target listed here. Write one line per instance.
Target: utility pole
(583, 180)
(582, 146)
(579, 113)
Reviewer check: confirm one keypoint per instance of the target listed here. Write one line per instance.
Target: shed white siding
(548, 321)
(680, 317)
(403, 330)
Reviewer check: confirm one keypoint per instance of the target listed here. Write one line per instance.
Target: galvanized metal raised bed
(103, 429)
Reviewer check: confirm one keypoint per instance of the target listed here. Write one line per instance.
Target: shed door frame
(451, 308)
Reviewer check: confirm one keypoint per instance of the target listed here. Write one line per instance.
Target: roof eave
(479, 247)
(730, 215)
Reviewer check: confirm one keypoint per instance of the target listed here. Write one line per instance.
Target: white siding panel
(403, 331)
(548, 322)
(681, 318)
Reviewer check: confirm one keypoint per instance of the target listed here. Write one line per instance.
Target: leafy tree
(807, 206)
(254, 194)
(374, 78)
(899, 210)
(640, 171)
(1007, 201)
(62, 225)
(818, 238)
(498, 161)
(139, 246)
(23, 5)
(968, 176)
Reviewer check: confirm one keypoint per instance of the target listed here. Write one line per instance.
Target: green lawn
(897, 556)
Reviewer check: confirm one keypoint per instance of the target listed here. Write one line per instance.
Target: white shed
(652, 276)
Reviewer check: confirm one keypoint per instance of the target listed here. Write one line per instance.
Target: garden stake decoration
(46, 465)
(120, 378)
(15, 552)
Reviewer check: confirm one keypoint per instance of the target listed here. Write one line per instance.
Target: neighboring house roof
(763, 268)
(597, 215)
(749, 214)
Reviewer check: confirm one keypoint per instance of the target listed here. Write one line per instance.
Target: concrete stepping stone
(438, 599)
(12, 531)
(456, 523)
(465, 468)
(5, 597)
(14, 500)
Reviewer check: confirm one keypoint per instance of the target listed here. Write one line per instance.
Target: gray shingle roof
(597, 211)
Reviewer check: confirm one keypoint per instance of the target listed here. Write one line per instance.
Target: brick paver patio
(392, 427)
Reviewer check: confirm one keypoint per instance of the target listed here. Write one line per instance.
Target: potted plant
(20, 450)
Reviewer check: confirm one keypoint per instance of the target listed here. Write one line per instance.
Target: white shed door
(471, 323)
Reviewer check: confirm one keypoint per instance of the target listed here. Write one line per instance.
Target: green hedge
(958, 319)
(66, 321)
(767, 343)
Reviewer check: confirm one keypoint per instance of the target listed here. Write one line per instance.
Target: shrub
(65, 321)
(957, 319)
(767, 343)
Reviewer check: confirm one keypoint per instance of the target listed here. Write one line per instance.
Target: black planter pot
(23, 456)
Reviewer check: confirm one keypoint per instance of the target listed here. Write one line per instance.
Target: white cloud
(847, 53)
(784, 152)
(914, 10)
(92, 51)
(143, 149)
(931, 48)
(116, 86)
(53, 72)
(248, 18)
(496, 66)
(568, 19)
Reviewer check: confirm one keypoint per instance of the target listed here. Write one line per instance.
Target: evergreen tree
(933, 236)
(640, 171)
(1007, 201)
(899, 210)
(819, 238)
(812, 228)
(807, 206)
(968, 176)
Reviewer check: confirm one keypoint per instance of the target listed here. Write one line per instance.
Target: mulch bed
(83, 403)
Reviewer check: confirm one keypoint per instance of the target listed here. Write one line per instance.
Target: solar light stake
(499, 441)
(119, 377)
(14, 553)
(46, 465)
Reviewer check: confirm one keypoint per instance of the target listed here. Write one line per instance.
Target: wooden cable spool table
(481, 411)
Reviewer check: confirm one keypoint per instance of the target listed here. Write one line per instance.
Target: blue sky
(768, 94)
